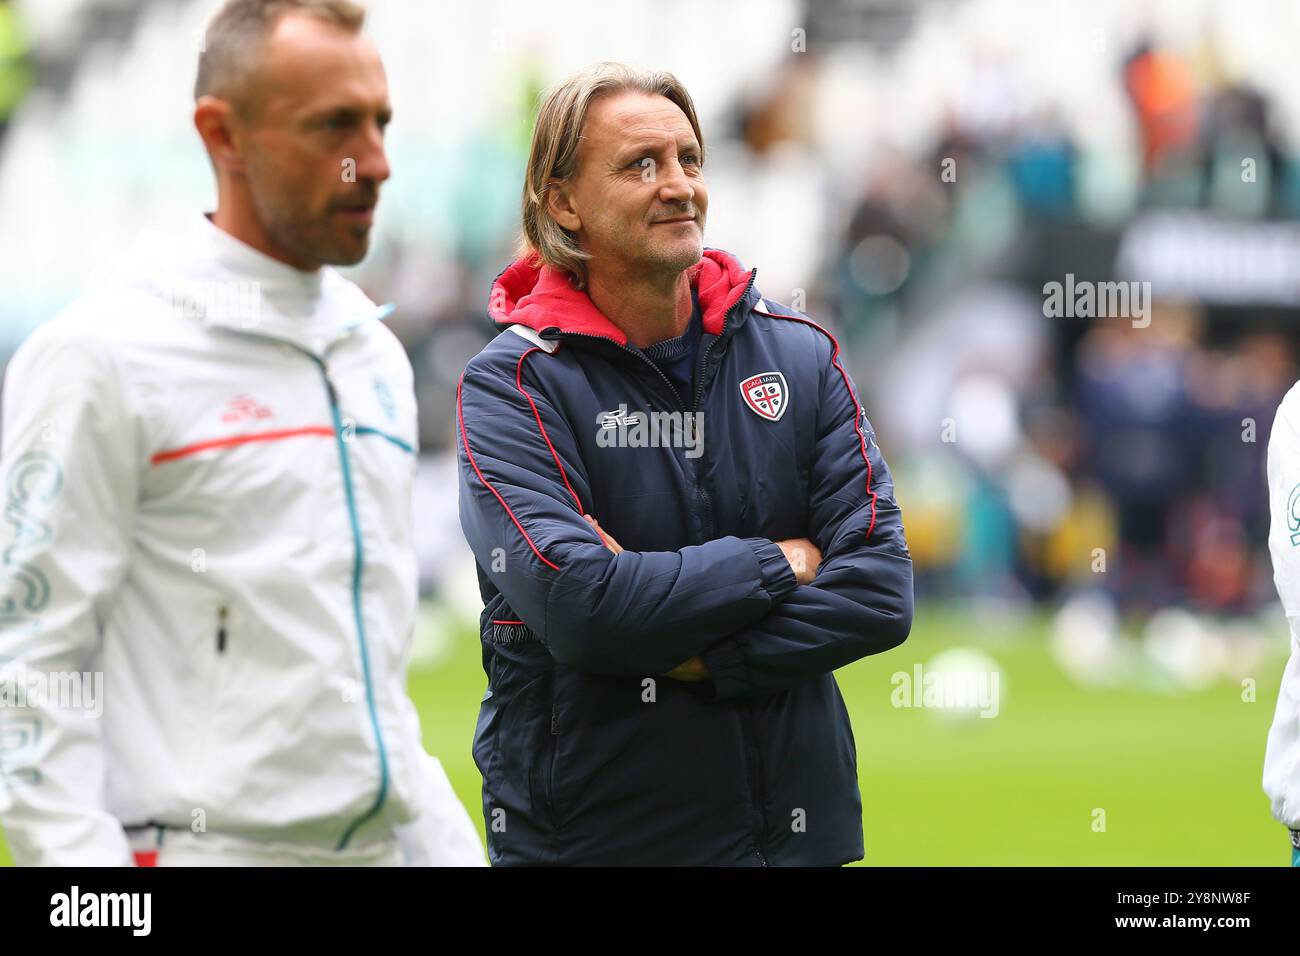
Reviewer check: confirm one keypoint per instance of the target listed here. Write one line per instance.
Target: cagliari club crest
(766, 394)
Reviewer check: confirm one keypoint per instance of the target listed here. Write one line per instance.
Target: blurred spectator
(1162, 90)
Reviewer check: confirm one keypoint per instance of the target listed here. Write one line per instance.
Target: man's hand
(804, 558)
(609, 542)
(691, 670)
(803, 555)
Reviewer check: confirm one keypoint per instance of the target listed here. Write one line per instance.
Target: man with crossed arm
(680, 517)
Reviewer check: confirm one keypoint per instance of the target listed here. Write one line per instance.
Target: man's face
(637, 201)
(314, 140)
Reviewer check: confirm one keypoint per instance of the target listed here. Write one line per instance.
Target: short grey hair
(554, 153)
(233, 40)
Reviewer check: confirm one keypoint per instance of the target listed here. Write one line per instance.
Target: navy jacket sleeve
(635, 613)
(860, 602)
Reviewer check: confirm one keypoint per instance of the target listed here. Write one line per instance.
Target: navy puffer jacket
(588, 754)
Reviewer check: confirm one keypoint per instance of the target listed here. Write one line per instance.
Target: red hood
(529, 293)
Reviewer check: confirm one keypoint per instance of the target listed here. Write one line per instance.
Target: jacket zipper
(222, 613)
(754, 760)
(358, 558)
(699, 379)
(357, 566)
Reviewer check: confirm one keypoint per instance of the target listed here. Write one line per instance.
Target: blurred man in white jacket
(210, 585)
(1282, 758)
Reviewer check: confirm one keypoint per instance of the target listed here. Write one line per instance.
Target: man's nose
(674, 187)
(372, 164)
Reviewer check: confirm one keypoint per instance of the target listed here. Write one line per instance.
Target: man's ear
(216, 122)
(559, 203)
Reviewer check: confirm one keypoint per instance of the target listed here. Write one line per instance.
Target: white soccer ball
(963, 684)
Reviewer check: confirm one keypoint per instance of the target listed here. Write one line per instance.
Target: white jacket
(207, 468)
(1282, 758)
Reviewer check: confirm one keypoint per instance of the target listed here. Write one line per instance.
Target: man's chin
(680, 256)
(348, 253)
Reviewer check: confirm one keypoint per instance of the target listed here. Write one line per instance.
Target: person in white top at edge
(1282, 754)
(209, 580)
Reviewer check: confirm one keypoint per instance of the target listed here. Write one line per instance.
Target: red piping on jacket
(857, 409)
(173, 453)
(464, 437)
(519, 384)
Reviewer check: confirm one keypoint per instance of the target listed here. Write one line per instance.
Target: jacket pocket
(550, 750)
(212, 652)
(514, 748)
(223, 621)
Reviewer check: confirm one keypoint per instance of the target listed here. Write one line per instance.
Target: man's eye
(691, 158)
(643, 162)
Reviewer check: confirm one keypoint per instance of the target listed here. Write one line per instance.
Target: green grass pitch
(1177, 775)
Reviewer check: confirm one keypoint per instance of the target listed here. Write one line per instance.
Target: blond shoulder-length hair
(554, 154)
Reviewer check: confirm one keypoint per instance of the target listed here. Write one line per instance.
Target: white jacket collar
(218, 279)
(236, 256)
